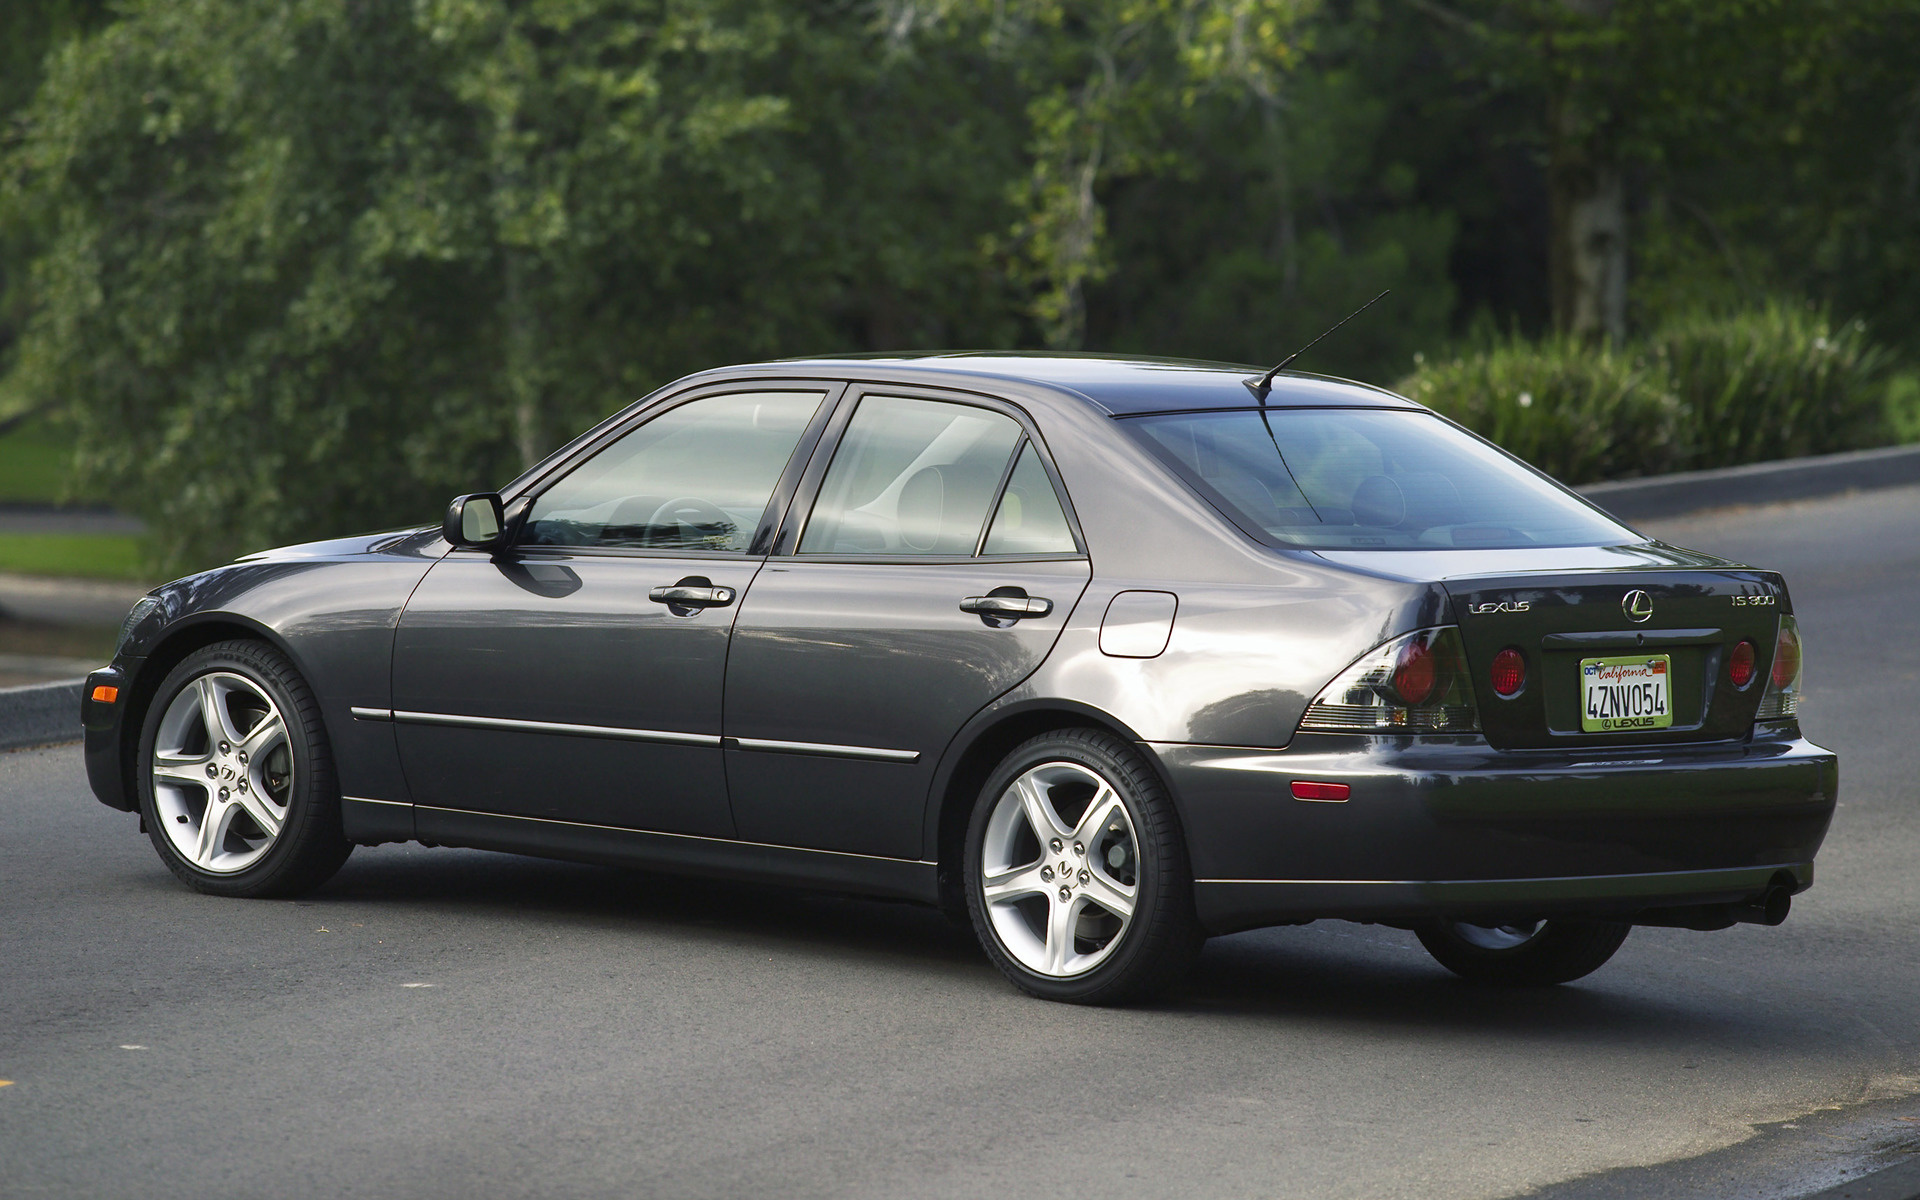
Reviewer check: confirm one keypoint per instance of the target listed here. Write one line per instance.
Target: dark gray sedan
(1107, 654)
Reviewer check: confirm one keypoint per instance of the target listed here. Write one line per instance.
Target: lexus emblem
(1637, 605)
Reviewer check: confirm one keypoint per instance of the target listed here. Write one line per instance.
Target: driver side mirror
(474, 522)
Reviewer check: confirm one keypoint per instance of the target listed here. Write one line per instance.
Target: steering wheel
(687, 511)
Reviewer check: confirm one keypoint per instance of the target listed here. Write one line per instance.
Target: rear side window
(911, 477)
(1029, 519)
(1356, 479)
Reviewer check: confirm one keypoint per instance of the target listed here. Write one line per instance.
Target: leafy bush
(1773, 382)
(1903, 406)
(1580, 414)
(1776, 381)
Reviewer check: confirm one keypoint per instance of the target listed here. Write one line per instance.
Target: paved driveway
(453, 1023)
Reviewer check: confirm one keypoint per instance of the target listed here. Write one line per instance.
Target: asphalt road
(452, 1023)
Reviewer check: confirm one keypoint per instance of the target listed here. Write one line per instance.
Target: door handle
(1011, 608)
(690, 595)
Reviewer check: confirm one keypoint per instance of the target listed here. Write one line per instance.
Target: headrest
(922, 510)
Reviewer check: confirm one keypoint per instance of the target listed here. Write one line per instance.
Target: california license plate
(1625, 693)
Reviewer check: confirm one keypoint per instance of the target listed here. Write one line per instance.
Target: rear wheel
(1529, 954)
(1077, 877)
(236, 782)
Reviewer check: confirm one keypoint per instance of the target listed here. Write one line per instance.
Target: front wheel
(236, 782)
(1527, 954)
(1077, 877)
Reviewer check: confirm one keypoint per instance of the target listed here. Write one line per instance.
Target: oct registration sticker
(1626, 693)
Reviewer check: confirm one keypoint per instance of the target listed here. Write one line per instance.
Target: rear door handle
(1011, 607)
(683, 595)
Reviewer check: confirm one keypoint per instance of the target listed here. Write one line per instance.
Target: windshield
(1357, 479)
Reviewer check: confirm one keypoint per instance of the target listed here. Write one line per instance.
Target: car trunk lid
(1569, 626)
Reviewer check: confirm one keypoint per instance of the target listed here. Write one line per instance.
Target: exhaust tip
(1775, 903)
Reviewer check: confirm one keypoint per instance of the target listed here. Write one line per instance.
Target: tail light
(1782, 698)
(1740, 665)
(1509, 673)
(1413, 684)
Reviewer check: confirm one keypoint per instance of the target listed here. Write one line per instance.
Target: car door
(934, 571)
(576, 676)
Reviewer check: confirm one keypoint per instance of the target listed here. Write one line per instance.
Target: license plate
(1626, 693)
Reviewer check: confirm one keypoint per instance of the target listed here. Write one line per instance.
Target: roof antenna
(1264, 384)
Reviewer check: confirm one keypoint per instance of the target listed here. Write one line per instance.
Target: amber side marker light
(1302, 790)
(106, 693)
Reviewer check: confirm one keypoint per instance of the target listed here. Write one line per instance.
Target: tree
(319, 264)
(29, 30)
(1619, 86)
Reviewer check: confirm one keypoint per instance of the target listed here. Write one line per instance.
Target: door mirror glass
(911, 477)
(696, 477)
(1029, 519)
(473, 521)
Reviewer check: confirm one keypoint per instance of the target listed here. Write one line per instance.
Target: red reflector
(1302, 790)
(1740, 665)
(106, 693)
(1786, 658)
(1509, 672)
(1416, 674)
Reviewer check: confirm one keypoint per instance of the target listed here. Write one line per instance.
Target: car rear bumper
(1451, 826)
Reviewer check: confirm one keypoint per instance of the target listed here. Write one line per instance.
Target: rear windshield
(1357, 479)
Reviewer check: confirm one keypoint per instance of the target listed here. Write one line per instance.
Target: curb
(40, 714)
(1757, 483)
(1900, 1182)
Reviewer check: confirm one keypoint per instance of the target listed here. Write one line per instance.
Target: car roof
(1124, 385)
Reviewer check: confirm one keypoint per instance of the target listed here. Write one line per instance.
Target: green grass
(35, 464)
(88, 555)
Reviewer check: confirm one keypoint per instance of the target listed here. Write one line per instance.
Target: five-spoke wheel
(237, 788)
(1060, 890)
(1077, 877)
(222, 772)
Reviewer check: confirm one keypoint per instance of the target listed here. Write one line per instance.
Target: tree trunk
(1587, 260)
(523, 371)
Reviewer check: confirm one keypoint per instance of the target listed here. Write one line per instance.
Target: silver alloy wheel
(1059, 869)
(222, 772)
(1496, 937)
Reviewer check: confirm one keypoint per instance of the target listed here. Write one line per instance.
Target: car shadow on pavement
(1364, 976)
(480, 883)
(1332, 971)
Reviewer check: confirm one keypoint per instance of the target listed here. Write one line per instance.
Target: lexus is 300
(1105, 655)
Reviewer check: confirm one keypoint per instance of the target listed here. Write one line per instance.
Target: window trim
(592, 444)
(800, 511)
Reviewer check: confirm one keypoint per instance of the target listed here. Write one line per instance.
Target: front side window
(911, 477)
(1358, 479)
(696, 477)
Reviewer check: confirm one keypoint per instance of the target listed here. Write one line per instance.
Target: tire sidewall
(312, 782)
(1159, 866)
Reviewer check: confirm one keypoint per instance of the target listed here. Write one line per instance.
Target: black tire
(1557, 951)
(309, 845)
(1156, 946)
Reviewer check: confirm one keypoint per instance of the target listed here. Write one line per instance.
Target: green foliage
(1773, 382)
(1702, 391)
(303, 266)
(36, 464)
(1578, 412)
(1903, 406)
(316, 265)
